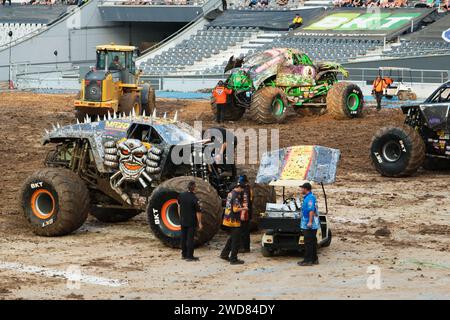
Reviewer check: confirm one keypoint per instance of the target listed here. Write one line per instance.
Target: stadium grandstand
(28, 20)
(341, 34)
(196, 38)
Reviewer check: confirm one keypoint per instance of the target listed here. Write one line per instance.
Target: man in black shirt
(226, 143)
(190, 215)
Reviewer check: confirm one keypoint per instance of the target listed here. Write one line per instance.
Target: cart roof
(394, 68)
(288, 183)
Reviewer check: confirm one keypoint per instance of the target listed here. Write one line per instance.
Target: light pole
(55, 53)
(10, 34)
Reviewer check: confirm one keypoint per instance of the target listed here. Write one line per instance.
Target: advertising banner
(363, 22)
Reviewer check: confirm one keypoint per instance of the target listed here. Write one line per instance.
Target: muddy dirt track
(401, 226)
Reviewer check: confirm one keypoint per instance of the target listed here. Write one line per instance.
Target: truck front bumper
(111, 104)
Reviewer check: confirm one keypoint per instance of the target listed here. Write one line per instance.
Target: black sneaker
(225, 258)
(192, 259)
(304, 263)
(237, 261)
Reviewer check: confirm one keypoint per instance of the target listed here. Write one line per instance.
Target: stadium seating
(418, 47)
(207, 51)
(204, 44)
(325, 48)
(19, 30)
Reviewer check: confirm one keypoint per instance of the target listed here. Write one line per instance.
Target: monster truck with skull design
(117, 167)
(266, 84)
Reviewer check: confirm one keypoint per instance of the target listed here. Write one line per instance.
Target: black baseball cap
(307, 186)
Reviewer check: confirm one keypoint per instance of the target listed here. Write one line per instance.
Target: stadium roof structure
(31, 14)
(432, 31)
(361, 23)
(112, 11)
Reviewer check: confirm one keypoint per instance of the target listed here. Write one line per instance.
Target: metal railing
(408, 75)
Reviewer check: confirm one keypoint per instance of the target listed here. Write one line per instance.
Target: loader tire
(80, 115)
(113, 215)
(232, 112)
(269, 105)
(345, 100)
(262, 195)
(150, 105)
(128, 102)
(162, 211)
(55, 202)
(397, 151)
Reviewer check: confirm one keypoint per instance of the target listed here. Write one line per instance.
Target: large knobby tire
(162, 211)
(232, 112)
(345, 100)
(113, 214)
(262, 194)
(269, 105)
(397, 151)
(128, 102)
(55, 202)
(150, 105)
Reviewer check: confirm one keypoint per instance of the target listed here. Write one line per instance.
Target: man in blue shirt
(309, 225)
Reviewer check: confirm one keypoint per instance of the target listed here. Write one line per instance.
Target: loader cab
(120, 61)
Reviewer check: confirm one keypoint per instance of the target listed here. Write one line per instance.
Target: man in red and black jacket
(232, 220)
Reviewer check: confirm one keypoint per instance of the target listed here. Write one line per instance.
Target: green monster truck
(118, 167)
(268, 83)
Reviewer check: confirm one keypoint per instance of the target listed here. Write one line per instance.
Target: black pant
(187, 242)
(378, 97)
(232, 246)
(220, 112)
(310, 245)
(245, 235)
(294, 25)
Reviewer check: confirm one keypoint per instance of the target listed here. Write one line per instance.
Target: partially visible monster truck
(268, 83)
(119, 167)
(424, 139)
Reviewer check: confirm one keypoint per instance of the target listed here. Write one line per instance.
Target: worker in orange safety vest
(378, 85)
(220, 94)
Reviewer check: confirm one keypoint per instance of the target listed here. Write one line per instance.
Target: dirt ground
(398, 227)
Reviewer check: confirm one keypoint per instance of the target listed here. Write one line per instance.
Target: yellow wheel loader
(114, 85)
